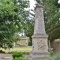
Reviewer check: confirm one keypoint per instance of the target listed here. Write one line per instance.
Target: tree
(29, 29)
(12, 15)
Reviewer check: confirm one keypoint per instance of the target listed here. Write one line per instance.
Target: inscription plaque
(41, 45)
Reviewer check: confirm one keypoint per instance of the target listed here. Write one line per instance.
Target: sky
(59, 1)
(32, 4)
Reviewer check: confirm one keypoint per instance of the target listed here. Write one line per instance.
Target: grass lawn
(19, 49)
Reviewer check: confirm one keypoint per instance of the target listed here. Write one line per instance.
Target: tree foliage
(12, 15)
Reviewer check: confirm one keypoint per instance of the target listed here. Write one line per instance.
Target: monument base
(38, 56)
(40, 47)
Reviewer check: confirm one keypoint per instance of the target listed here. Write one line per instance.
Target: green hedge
(18, 55)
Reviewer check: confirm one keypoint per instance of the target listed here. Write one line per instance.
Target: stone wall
(56, 46)
(23, 41)
(6, 57)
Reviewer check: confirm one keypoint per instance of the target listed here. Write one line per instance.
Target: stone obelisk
(39, 39)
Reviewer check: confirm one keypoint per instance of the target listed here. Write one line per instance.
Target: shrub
(20, 58)
(17, 54)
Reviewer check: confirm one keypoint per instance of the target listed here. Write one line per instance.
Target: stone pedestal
(6, 57)
(39, 39)
(40, 48)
